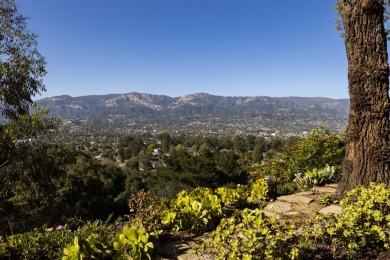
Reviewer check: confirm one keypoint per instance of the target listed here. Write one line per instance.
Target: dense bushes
(48, 243)
(320, 149)
(195, 211)
(363, 226)
(309, 179)
(69, 184)
(250, 234)
(53, 184)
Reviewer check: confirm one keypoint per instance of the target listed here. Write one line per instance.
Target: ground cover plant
(363, 225)
(195, 211)
(250, 234)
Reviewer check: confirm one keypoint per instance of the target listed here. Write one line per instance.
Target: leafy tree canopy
(21, 65)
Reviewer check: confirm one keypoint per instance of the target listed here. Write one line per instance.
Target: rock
(181, 247)
(304, 193)
(182, 251)
(295, 199)
(174, 248)
(331, 209)
(279, 207)
(292, 213)
(191, 256)
(271, 214)
(299, 231)
(326, 189)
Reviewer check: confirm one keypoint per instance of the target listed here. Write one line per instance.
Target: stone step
(278, 207)
(331, 209)
(295, 199)
(326, 189)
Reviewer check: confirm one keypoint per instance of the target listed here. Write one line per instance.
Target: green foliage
(27, 204)
(146, 210)
(93, 240)
(88, 190)
(228, 167)
(320, 149)
(234, 197)
(96, 239)
(166, 183)
(133, 242)
(129, 146)
(194, 171)
(72, 252)
(61, 184)
(285, 188)
(257, 154)
(21, 65)
(196, 211)
(259, 190)
(327, 199)
(165, 140)
(315, 177)
(250, 234)
(210, 169)
(239, 143)
(243, 194)
(42, 243)
(364, 224)
(19, 136)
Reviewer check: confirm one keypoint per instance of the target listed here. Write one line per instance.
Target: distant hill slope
(199, 104)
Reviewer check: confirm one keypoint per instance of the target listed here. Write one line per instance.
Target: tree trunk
(367, 156)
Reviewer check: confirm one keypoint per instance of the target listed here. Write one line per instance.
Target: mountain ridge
(197, 104)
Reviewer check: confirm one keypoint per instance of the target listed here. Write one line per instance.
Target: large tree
(367, 156)
(25, 176)
(22, 68)
(21, 65)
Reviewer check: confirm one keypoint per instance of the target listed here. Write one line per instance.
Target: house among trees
(157, 152)
(157, 163)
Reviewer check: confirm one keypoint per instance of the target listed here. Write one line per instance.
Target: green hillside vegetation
(120, 198)
(74, 206)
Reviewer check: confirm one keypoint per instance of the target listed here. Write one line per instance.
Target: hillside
(200, 104)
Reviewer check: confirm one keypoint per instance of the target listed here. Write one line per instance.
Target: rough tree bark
(367, 156)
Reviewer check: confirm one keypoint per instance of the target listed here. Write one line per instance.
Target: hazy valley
(200, 113)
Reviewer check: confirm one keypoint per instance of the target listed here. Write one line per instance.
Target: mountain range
(199, 104)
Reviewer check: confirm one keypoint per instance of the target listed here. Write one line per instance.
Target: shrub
(40, 243)
(363, 224)
(94, 239)
(252, 235)
(315, 177)
(145, 210)
(319, 149)
(133, 242)
(259, 190)
(229, 196)
(195, 211)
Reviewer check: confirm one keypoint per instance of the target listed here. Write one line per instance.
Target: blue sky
(178, 47)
